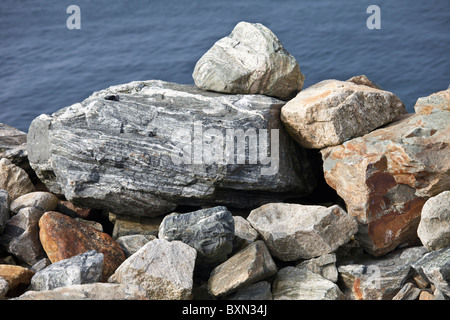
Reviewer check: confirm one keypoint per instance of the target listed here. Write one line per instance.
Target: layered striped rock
(386, 176)
(143, 148)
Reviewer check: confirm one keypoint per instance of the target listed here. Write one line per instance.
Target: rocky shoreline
(244, 186)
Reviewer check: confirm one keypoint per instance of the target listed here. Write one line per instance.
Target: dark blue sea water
(44, 66)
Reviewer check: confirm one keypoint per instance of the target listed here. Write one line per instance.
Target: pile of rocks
(140, 192)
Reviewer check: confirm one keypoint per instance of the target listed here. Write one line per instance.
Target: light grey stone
(41, 264)
(149, 149)
(210, 231)
(332, 111)
(435, 267)
(324, 265)
(250, 265)
(4, 288)
(45, 201)
(378, 278)
(80, 269)
(256, 291)
(292, 283)
(434, 225)
(4, 209)
(250, 60)
(13, 146)
(132, 243)
(244, 233)
(164, 269)
(21, 235)
(293, 231)
(91, 291)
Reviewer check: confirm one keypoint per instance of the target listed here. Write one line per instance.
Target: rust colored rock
(63, 237)
(437, 101)
(18, 278)
(386, 176)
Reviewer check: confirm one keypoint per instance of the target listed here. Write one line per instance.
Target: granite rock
(18, 278)
(132, 243)
(14, 180)
(436, 101)
(45, 201)
(251, 60)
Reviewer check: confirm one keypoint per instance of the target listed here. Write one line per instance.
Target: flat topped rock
(159, 145)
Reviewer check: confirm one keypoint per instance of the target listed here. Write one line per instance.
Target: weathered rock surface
(4, 288)
(81, 269)
(364, 81)
(324, 266)
(132, 243)
(18, 278)
(257, 291)
(14, 180)
(435, 267)
(434, 225)
(62, 237)
(331, 112)
(4, 209)
(92, 291)
(244, 233)
(372, 278)
(250, 265)
(45, 201)
(292, 283)
(408, 292)
(386, 176)
(13, 145)
(21, 236)
(130, 225)
(294, 231)
(251, 60)
(210, 231)
(157, 145)
(164, 269)
(436, 101)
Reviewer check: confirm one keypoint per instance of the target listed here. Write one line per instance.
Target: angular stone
(331, 112)
(244, 233)
(71, 210)
(425, 295)
(21, 236)
(4, 209)
(294, 231)
(292, 283)
(128, 225)
(41, 264)
(164, 269)
(80, 269)
(210, 231)
(14, 180)
(324, 266)
(408, 292)
(251, 60)
(132, 243)
(378, 278)
(18, 278)
(156, 148)
(92, 291)
(257, 291)
(13, 145)
(45, 201)
(436, 101)
(94, 224)
(435, 268)
(62, 237)
(250, 265)
(364, 81)
(434, 225)
(386, 176)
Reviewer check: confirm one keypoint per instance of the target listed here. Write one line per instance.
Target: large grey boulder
(143, 148)
(210, 231)
(250, 60)
(80, 269)
(434, 225)
(332, 111)
(164, 269)
(295, 231)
